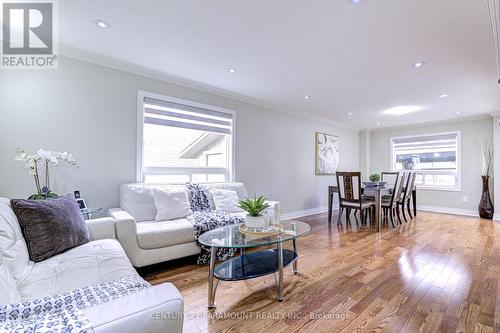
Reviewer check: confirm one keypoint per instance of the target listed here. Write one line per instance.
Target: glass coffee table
(254, 264)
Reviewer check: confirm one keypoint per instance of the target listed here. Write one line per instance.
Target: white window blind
(435, 158)
(165, 113)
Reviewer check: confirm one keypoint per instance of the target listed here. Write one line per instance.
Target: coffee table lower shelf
(253, 265)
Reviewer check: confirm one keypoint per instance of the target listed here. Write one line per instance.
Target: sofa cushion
(50, 226)
(12, 244)
(171, 204)
(226, 200)
(238, 187)
(138, 201)
(88, 264)
(158, 234)
(9, 293)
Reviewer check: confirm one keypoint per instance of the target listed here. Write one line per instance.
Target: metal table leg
(280, 272)
(211, 288)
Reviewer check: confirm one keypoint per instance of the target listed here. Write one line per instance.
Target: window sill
(436, 188)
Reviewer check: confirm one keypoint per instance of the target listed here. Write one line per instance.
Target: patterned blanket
(63, 312)
(206, 221)
(203, 220)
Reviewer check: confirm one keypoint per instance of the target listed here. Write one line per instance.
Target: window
(181, 141)
(435, 158)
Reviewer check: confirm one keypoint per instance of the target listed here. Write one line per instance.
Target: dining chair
(390, 203)
(405, 200)
(349, 185)
(390, 177)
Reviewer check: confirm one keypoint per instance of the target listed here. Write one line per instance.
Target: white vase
(255, 221)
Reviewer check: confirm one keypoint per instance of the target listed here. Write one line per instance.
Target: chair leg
(341, 209)
(391, 210)
(409, 209)
(398, 213)
(403, 210)
(361, 216)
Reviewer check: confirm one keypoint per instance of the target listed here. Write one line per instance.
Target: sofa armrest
(101, 228)
(158, 309)
(120, 215)
(275, 207)
(126, 233)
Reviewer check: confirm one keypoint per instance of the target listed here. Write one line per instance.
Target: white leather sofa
(100, 260)
(147, 241)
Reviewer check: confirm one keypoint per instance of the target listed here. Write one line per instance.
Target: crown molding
(430, 123)
(494, 9)
(102, 60)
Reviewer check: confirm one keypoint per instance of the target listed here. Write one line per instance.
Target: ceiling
(349, 58)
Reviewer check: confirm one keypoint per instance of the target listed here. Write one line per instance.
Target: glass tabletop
(89, 210)
(230, 236)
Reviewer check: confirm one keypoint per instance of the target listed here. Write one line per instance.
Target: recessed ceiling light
(443, 95)
(232, 70)
(458, 112)
(405, 109)
(418, 64)
(102, 24)
(350, 114)
(378, 124)
(356, 2)
(307, 97)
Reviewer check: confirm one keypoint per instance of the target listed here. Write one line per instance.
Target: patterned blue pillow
(197, 198)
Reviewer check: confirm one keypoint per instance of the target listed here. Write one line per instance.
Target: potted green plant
(374, 177)
(254, 208)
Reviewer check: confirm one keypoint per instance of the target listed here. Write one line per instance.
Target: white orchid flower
(49, 156)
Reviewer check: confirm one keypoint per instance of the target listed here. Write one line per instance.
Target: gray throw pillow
(50, 226)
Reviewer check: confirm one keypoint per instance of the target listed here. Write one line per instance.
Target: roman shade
(167, 113)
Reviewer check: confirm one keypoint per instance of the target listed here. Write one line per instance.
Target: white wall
(472, 132)
(90, 110)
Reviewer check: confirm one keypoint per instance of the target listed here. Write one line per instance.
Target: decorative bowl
(373, 184)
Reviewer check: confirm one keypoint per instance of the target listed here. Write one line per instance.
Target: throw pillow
(197, 198)
(171, 204)
(226, 200)
(9, 294)
(50, 226)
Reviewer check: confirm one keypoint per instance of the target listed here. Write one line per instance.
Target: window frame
(140, 170)
(458, 186)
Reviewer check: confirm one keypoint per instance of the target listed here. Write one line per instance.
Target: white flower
(66, 157)
(49, 156)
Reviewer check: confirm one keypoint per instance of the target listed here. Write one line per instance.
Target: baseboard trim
(306, 212)
(448, 210)
(496, 217)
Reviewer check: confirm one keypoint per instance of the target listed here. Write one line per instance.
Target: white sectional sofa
(100, 260)
(147, 241)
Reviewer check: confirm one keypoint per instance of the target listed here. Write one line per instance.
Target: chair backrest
(395, 180)
(390, 177)
(410, 184)
(349, 184)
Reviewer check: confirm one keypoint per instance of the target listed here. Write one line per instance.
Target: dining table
(377, 192)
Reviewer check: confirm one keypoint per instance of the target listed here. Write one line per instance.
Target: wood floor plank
(438, 273)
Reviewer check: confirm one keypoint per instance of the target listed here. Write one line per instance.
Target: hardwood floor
(439, 273)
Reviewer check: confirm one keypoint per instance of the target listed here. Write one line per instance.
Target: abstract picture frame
(327, 153)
